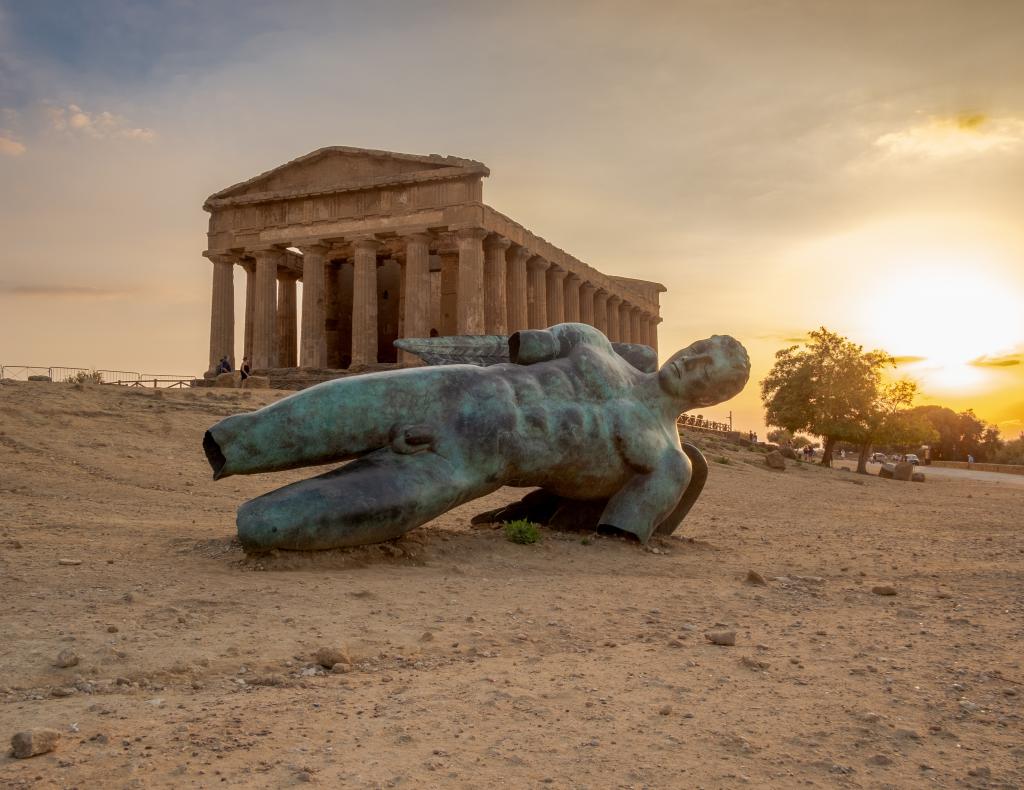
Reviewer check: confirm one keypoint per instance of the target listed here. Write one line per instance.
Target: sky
(779, 166)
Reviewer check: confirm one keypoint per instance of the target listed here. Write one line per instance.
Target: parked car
(878, 458)
(910, 458)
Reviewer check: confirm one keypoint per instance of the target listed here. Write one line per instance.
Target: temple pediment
(339, 168)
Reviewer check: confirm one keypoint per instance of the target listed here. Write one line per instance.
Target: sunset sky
(777, 165)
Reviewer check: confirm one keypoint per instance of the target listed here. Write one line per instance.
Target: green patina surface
(567, 414)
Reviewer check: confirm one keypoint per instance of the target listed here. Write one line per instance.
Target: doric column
(250, 308)
(287, 331)
(416, 292)
(601, 310)
(571, 295)
(587, 303)
(449, 293)
(222, 311)
(470, 310)
(655, 320)
(556, 295)
(313, 353)
(613, 318)
(364, 302)
(636, 329)
(495, 285)
(517, 289)
(537, 296)
(264, 325)
(626, 323)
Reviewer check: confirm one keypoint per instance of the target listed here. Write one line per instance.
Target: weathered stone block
(886, 471)
(256, 383)
(29, 743)
(233, 379)
(903, 471)
(774, 460)
(917, 477)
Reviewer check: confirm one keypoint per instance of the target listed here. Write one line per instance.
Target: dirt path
(474, 662)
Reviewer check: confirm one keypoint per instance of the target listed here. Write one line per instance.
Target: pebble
(880, 759)
(724, 638)
(62, 691)
(755, 578)
(66, 658)
(29, 743)
(665, 710)
(69, 562)
(883, 589)
(327, 657)
(112, 629)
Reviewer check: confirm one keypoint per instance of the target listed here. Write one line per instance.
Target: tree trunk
(826, 455)
(862, 459)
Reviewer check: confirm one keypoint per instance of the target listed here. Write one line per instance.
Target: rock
(69, 562)
(788, 452)
(66, 658)
(911, 735)
(903, 471)
(721, 637)
(755, 578)
(231, 380)
(917, 477)
(62, 691)
(883, 589)
(755, 664)
(774, 460)
(880, 759)
(341, 667)
(327, 657)
(256, 383)
(664, 710)
(886, 470)
(29, 743)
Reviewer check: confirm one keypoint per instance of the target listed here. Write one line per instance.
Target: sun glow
(947, 315)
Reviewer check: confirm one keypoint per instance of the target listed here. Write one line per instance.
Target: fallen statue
(594, 429)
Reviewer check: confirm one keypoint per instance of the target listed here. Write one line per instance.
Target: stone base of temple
(300, 378)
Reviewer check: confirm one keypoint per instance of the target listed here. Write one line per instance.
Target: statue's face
(706, 372)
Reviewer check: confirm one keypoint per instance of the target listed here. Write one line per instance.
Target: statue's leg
(372, 499)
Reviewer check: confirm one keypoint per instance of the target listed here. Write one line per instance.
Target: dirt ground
(470, 661)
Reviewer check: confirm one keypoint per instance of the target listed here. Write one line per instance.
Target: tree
(960, 435)
(888, 422)
(828, 388)
(780, 436)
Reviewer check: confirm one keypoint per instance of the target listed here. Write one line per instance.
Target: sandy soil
(577, 662)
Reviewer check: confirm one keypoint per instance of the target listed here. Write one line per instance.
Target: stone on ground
(29, 743)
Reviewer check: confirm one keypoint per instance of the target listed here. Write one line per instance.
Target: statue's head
(706, 372)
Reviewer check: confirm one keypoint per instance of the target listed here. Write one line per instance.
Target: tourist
(224, 366)
(246, 368)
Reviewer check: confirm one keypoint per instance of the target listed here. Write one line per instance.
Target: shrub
(85, 377)
(522, 531)
(723, 460)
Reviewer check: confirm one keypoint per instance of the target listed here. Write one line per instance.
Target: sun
(941, 316)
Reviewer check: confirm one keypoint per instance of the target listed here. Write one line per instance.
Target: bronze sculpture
(567, 414)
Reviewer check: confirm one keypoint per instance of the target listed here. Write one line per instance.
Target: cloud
(73, 120)
(9, 146)
(44, 291)
(1006, 361)
(954, 137)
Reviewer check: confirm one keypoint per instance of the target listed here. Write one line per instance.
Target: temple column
(470, 309)
(625, 323)
(222, 311)
(613, 318)
(416, 292)
(449, 293)
(287, 331)
(571, 296)
(601, 310)
(537, 297)
(517, 289)
(636, 329)
(587, 303)
(556, 295)
(364, 302)
(654, 331)
(496, 285)
(313, 352)
(250, 308)
(264, 325)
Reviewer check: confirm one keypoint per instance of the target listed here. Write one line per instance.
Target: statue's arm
(650, 496)
(529, 346)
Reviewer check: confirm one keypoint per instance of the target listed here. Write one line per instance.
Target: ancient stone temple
(390, 245)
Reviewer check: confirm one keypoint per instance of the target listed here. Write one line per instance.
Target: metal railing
(697, 421)
(124, 378)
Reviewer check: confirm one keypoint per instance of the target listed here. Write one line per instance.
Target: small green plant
(586, 541)
(522, 531)
(85, 377)
(723, 460)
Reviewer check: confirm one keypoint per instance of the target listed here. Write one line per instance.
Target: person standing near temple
(246, 368)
